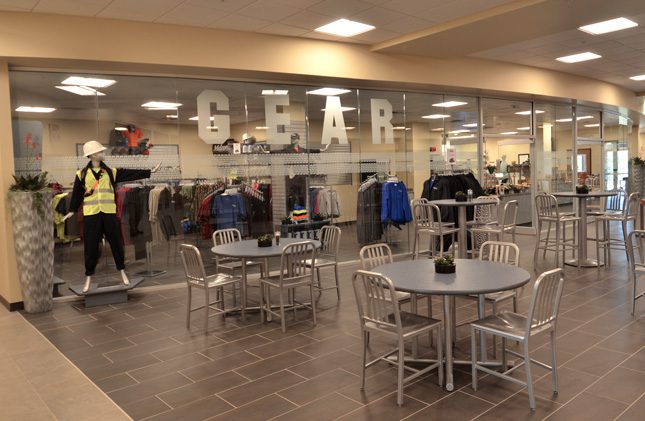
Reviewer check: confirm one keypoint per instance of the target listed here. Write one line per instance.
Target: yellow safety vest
(102, 198)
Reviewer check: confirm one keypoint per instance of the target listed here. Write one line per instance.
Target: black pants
(94, 228)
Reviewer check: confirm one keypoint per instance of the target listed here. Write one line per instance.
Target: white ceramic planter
(33, 224)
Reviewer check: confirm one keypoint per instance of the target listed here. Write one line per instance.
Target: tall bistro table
(248, 250)
(471, 277)
(462, 222)
(583, 260)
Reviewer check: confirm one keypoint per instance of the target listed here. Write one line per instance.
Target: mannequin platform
(100, 296)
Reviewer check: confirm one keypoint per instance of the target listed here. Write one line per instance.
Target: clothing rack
(150, 272)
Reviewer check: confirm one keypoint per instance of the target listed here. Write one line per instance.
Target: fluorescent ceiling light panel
(568, 120)
(328, 91)
(440, 129)
(459, 131)
(472, 125)
(121, 129)
(81, 90)
(576, 58)
(172, 116)
(401, 128)
(197, 118)
(593, 125)
(639, 77)
(449, 104)
(528, 112)
(344, 28)
(436, 116)
(30, 109)
(607, 26)
(342, 109)
(274, 92)
(88, 81)
(524, 128)
(212, 127)
(508, 133)
(161, 105)
(261, 128)
(470, 136)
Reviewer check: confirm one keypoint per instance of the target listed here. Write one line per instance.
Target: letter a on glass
(334, 124)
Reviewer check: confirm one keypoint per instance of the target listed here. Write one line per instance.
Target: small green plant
(265, 238)
(491, 168)
(286, 221)
(446, 260)
(461, 196)
(36, 183)
(637, 160)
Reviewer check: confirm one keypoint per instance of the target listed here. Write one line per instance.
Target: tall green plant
(36, 183)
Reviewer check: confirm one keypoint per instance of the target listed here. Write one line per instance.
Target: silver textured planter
(33, 226)
(636, 179)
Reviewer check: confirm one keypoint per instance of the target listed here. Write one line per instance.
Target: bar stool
(505, 225)
(546, 206)
(636, 262)
(629, 213)
(484, 214)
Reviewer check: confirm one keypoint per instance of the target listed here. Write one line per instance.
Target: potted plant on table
(461, 196)
(582, 189)
(445, 264)
(265, 240)
(30, 201)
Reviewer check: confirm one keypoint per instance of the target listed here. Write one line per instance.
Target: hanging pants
(94, 228)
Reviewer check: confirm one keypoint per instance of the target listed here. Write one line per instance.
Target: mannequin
(94, 188)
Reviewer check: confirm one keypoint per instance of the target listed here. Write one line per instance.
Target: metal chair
(413, 203)
(196, 278)
(546, 207)
(605, 242)
(294, 273)
(484, 214)
(327, 256)
(542, 318)
(379, 313)
(505, 253)
(427, 220)
(505, 225)
(636, 262)
(229, 264)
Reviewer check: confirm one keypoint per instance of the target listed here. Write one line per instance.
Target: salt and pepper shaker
(470, 195)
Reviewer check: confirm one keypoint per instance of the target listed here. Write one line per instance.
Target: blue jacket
(395, 206)
(228, 211)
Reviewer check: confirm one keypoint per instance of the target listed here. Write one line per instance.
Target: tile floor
(143, 357)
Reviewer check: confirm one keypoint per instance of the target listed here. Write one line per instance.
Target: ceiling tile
(18, 5)
(241, 23)
(377, 16)
(326, 37)
(70, 7)
(226, 5)
(407, 24)
(307, 19)
(301, 4)
(340, 8)
(187, 14)
(141, 10)
(268, 10)
(376, 35)
(412, 7)
(281, 29)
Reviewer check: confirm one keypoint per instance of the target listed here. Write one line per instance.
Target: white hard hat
(92, 147)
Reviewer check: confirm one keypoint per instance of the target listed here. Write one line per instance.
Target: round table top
(453, 202)
(471, 277)
(581, 195)
(250, 249)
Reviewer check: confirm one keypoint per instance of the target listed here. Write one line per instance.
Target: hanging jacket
(395, 205)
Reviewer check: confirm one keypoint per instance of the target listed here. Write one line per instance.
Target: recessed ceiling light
(344, 28)
(607, 26)
(585, 117)
(30, 109)
(472, 125)
(401, 128)
(350, 128)
(462, 137)
(459, 131)
(121, 129)
(328, 91)
(81, 90)
(161, 105)
(261, 128)
(342, 109)
(568, 120)
(508, 133)
(274, 91)
(172, 116)
(639, 77)
(439, 129)
(524, 128)
(88, 81)
(197, 118)
(528, 112)
(448, 104)
(436, 116)
(593, 125)
(575, 58)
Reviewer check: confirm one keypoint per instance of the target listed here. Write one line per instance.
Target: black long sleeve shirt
(122, 175)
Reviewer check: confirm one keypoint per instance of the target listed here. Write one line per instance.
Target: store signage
(216, 128)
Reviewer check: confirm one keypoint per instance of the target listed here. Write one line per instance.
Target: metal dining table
(583, 260)
(462, 237)
(471, 277)
(246, 250)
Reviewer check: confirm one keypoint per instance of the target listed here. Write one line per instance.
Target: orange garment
(133, 137)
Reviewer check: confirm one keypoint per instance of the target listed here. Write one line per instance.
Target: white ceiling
(623, 52)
